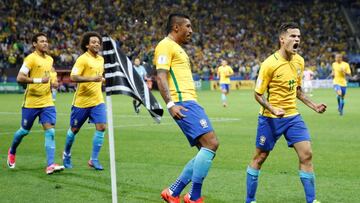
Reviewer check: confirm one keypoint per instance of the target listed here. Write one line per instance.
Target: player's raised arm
(320, 108)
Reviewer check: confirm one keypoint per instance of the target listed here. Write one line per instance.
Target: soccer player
(224, 72)
(176, 85)
(88, 100)
(308, 76)
(280, 76)
(340, 69)
(142, 73)
(35, 72)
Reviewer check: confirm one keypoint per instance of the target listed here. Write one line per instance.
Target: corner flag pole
(111, 148)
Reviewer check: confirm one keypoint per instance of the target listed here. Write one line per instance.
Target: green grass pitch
(150, 156)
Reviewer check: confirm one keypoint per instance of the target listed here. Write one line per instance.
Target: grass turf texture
(150, 156)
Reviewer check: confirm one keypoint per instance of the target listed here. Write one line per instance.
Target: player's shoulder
(270, 61)
(32, 55)
(299, 58)
(166, 42)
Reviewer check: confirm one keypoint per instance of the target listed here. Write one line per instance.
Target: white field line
(213, 120)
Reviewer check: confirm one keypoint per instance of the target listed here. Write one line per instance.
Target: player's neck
(40, 53)
(286, 55)
(174, 38)
(94, 54)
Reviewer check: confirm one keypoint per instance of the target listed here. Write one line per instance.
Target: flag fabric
(122, 78)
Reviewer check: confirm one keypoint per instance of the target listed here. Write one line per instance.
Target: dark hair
(35, 37)
(86, 39)
(289, 25)
(172, 20)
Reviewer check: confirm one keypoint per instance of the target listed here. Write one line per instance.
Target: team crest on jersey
(162, 59)
(262, 140)
(203, 123)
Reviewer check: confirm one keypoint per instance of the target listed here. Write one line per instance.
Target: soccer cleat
(315, 201)
(10, 160)
(95, 164)
(165, 194)
(53, 168)
(67, 160)
(188, 200)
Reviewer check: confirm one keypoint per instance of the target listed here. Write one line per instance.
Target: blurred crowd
(242, 32)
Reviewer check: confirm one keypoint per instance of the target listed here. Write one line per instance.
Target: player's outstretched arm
(161, 79)
(320, 108)
(264, 103)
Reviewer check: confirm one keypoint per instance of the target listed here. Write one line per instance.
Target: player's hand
(54, 85)
(278, 112)
(175, 112)
(45, 79)
(98, 78)
(320, 108)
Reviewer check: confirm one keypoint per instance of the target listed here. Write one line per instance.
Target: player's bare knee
(260, 158)
(306, 157)
(101, 127)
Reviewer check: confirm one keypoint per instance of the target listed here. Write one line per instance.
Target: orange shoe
(165, 194)
(188, 200)
(11, 160)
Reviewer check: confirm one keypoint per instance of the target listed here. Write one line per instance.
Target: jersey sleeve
(230, 70)
(347, 69)
(263, 79)
(28, 63)
(78, 67)
(163, 56)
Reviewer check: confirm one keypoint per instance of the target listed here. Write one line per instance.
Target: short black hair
(86, 39)
(289, 25)
(35, 37)
(172, 20)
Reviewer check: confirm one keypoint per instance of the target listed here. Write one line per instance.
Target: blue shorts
(96, 114)
(341, 88)
(196, 123)
(225, 87)
(270, 130)
(46, 115)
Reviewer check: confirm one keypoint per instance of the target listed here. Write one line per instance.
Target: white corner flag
(121, 78)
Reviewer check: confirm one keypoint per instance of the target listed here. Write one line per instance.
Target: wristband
(37, 80)
(170, 104)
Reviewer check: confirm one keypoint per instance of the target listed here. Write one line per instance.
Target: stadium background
(241, 31)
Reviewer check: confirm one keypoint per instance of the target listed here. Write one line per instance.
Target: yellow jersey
(171, 56)
(38, 95)
(280, 79)
(88, 94)
(339, 75)
(224, 73)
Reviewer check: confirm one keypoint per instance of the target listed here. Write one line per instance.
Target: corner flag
(121, 79)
